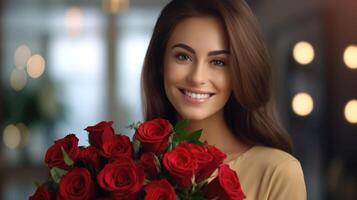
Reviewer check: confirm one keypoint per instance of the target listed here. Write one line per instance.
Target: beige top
(268, 174)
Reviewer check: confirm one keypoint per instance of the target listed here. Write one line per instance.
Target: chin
(192, 116)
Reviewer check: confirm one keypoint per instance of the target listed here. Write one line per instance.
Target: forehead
(201, 32)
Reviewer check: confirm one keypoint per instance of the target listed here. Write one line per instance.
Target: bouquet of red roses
(161, 162)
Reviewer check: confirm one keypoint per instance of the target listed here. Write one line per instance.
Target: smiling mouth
(196, 95)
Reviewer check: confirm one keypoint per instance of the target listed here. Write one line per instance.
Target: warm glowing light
(351, 111)
(18, 79)
(12, 136)
(302, 104)
(22, 54)
(350, 56)
(115, 6)
(35, 66)
(73, 20)
(24, 131)
(303, 52)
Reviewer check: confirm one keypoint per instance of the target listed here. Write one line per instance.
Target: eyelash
(222, 63)
(184, 57)
(180, 55)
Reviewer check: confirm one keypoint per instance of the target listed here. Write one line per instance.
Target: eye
(182, 57)
(218, 62)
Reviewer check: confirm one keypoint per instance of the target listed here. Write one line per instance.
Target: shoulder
(284, 171)
(265, 157)
(280, 164)
(269, 173)
(267, 161)
(271, 157)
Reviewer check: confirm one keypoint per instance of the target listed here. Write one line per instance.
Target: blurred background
(67, 64)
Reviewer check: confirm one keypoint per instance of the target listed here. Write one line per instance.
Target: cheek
(170, 77)
(223, 82)
(173, 73)
(169, 74)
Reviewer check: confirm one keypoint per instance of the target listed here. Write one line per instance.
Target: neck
(217, 133)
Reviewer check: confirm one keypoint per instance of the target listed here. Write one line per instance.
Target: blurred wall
(324, 140)
(89, 73)
(341, 151)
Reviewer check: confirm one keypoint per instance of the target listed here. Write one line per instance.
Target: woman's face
(196, 75)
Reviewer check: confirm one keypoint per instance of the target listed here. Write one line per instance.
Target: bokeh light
(350, 56)
(303, 53)
(18, 79)
(11, 136)
(25, 133)
(35, 66)
(302, 104)
(73, 20)
(115, 6)
(22, 55)
(351, 111)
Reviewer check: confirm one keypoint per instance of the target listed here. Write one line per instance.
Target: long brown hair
(249, 112)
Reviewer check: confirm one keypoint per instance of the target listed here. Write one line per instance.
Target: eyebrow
(190, 49)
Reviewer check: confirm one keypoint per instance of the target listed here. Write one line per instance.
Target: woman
(206, 62)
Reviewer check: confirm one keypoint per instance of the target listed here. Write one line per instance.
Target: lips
(196, 95)
(195, 91)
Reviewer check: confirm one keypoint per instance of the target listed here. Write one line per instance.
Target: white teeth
(196, 95)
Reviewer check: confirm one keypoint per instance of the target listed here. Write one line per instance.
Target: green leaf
(176, 139)
(134, 126)
(201, 185)
(195, 136)
(180, 132)
(136, 146)
(57, 173)
(66, 158)
(37, 184)
(198, 198)
(181, 126)
(178, 197)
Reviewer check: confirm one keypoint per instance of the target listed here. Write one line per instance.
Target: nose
(198, 74)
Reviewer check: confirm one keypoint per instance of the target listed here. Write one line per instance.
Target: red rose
(54, 155)
(207, 165)
(119, 145)
(181, 164)
(76, 184)
(124, 196)
(122, 177)
(100, 134)
(225, 186)
(41, 193)
(90, 158)
(147, 160)
(205, 161)
(154, 135)
(104, 198)
(160, 189)
(216, 153)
